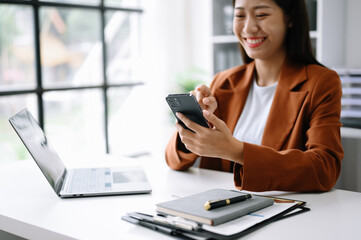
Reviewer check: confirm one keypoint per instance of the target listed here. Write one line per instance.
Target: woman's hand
(205, 98)
(215, 142)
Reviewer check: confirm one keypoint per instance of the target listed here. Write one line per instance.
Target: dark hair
(298, 42)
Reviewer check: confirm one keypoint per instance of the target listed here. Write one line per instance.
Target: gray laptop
(75, 182)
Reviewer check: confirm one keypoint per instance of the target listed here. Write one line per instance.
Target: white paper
(242, 223)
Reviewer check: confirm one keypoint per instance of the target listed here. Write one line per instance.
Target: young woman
(276, 119)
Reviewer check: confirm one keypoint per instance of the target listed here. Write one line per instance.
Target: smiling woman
(276, 119)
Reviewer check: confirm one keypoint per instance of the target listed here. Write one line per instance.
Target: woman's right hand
(205, 98)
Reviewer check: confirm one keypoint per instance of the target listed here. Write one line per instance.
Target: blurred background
(95, 73)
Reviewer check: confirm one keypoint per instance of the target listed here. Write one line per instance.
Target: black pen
(224, 202)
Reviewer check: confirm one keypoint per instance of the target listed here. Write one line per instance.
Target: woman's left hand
(211, 142)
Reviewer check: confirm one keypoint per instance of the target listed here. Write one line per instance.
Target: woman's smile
(254, 42)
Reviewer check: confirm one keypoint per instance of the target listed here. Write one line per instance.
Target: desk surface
(29, 208)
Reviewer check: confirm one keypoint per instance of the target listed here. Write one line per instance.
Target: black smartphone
(187, 104)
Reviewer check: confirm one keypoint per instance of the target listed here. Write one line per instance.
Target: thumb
(215, 121)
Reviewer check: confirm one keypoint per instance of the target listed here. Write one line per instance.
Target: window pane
(86, 2)
(17, 69)
(11, 147)
(123, 3)
(71, 50)
(129, 132)
(122, 39)
(74, 121)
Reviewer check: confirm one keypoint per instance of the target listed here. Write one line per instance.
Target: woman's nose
(250, 25)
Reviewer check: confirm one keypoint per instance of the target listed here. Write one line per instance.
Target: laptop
(78, 182)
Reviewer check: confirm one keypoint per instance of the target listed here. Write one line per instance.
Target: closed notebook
(192, 207)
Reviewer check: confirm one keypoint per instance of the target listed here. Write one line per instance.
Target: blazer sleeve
(177, 159)
(317, 167)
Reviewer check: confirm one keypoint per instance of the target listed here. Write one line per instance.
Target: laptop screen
(39, 147)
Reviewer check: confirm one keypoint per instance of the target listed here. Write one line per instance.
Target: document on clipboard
(185, 229)
(262, 216)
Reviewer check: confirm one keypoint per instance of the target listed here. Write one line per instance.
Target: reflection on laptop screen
(39, 147)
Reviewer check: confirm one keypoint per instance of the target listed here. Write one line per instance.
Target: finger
(204, 89)
(211, 103)
(185, 135)
(202, 92)
(199, 96)
(190, 124)
(215, 121)
(179, 127)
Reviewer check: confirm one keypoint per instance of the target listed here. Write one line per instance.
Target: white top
(251, 124)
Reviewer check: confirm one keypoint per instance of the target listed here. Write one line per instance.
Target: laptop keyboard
(90, 180)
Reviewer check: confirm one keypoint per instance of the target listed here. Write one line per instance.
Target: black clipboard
(147, 220)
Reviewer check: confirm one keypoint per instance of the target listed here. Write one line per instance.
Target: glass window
(74, 121)
(71, 49)
(87, 2)
(122, 3)
(17, 66)
(11, 147)
(122, 39)
(65, 85)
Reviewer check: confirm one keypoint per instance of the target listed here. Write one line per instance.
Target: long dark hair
(298, 41)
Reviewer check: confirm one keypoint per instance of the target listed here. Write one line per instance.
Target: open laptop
(75, 182)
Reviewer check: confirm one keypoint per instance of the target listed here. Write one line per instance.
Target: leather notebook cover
(192, 207)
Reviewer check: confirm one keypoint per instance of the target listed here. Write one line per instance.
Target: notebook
(192, 207)
(79, 182)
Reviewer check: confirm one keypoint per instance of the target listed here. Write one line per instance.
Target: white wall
(164, 44)
(353, 34)
(333, 32)
(199, 25)
(341, 33)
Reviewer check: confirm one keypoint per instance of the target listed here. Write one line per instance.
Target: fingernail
(205, 113)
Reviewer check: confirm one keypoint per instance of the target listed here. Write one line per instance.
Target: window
(72, 63)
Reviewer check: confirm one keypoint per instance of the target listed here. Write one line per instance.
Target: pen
(224, 202)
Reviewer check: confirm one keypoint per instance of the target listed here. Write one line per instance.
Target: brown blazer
(301, 146)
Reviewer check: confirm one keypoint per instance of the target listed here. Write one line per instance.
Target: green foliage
(191, 78)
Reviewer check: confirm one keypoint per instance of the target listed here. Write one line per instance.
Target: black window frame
(39, 90)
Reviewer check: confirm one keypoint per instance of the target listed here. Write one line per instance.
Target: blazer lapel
(286, 106)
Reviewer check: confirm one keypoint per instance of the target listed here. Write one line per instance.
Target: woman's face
(261, 27)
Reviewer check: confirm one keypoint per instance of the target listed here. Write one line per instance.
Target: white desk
(29, 208)
(350, 132)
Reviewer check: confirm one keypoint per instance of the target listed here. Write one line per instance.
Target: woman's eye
(261, 15)
(239, 15)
